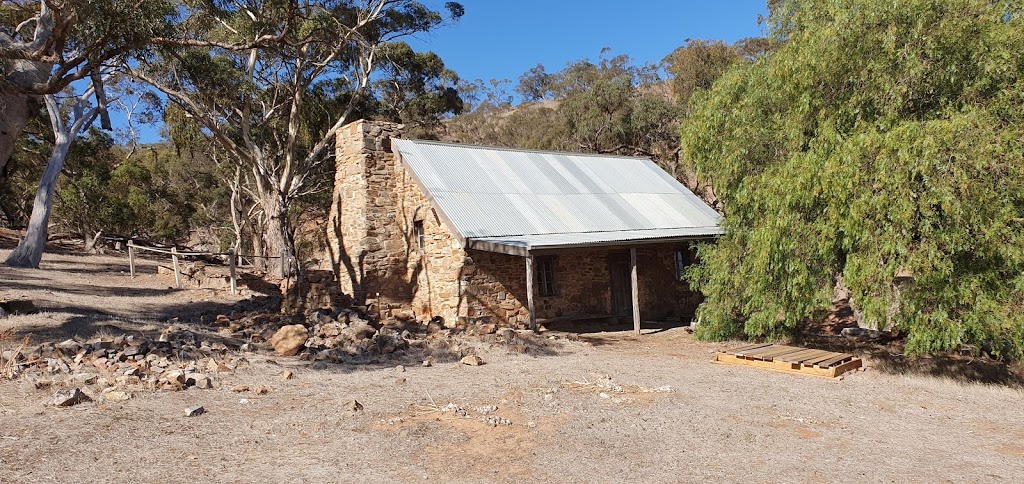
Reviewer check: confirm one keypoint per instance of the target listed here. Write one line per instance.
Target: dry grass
(719, 422)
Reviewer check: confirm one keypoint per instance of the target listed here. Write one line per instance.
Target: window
(546, 275)
(417, 230)
(684, 258)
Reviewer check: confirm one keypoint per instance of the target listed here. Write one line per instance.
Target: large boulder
(288, 340)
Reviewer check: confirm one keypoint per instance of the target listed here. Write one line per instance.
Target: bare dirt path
(612, 407)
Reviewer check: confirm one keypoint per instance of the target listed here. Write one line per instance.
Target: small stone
(86, 378)
(240, 388)
(69, 397)
(354, 406)
(262, 390)
(198, 380)
(286, 375)
(427, 363)
(194, 411)
(604, 395)
(175, 376)
(471, 360)
(400, 368)
(117, 396)
(400, 381)
(288, 340)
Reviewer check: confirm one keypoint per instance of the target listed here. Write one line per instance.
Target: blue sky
(501, 39)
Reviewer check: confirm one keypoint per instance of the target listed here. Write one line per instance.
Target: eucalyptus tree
(878, 148)
(259, 77)
(70, 114)
(64, 51)
(46, 45)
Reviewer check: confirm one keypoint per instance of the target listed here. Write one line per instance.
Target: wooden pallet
(790, 359)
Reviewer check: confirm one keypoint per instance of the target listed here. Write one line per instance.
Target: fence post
(177, 271)
(234, 283)
(131, 257)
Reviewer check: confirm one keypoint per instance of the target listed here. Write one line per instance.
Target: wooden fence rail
(173, 252)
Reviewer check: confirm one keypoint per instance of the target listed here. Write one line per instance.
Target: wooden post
(234, 283)
(177, 271)
(131, 257)
(529, 292)
(636, 290)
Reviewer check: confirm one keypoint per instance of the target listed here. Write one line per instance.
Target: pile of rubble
(346, 336)
(184, 357)
(176, 360)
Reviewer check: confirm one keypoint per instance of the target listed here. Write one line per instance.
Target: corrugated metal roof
(534, 199)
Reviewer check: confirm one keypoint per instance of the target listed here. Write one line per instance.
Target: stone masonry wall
(376, 255)
(371, 237)
(494, 286)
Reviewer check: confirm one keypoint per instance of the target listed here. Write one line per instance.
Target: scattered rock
(240, 388)
(427, 363)
(285, 375)
(117, 396)
(262, 390)
(198, 380)
(471, 360)
(194, 411)
(494, 421)
(353, 406)
(69, 397)
(400, 368)
(288, 340)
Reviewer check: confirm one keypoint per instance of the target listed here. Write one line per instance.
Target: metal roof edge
(521, 150)
(430, 199)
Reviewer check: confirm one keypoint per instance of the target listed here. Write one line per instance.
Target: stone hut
(509, 237)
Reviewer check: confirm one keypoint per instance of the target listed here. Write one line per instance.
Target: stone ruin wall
(371, 237)
(495, 286)
(374, 250)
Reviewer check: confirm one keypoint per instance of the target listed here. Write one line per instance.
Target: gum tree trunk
(30, 250)
(277, 237)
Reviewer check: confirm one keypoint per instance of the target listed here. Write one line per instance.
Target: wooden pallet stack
(790, 359)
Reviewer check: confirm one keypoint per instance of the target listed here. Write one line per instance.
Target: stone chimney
(363, 213)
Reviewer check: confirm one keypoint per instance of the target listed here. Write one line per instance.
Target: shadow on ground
(888, 357)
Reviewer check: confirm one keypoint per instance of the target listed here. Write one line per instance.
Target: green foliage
(153, 194)
(414, 88)
(609, 106)
(880, 139)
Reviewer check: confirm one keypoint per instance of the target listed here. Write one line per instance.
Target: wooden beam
(131, 257)
(234, 281)
(177, 270)
(529, 292)
(636, 290)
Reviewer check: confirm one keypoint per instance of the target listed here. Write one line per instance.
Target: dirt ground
(609, 407)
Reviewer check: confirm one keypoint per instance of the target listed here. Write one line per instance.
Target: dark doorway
(621, 282)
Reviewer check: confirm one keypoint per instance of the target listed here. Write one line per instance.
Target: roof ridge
(524, 150)
(596, 231)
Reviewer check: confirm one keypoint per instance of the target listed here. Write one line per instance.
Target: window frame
(419, 232)
(547, 275)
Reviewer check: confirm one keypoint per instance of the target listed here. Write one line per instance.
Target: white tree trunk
(30, 250)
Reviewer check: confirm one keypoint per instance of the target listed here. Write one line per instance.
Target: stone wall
(662, 296)
(371, 238)
(494, 286)
(376, 255)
